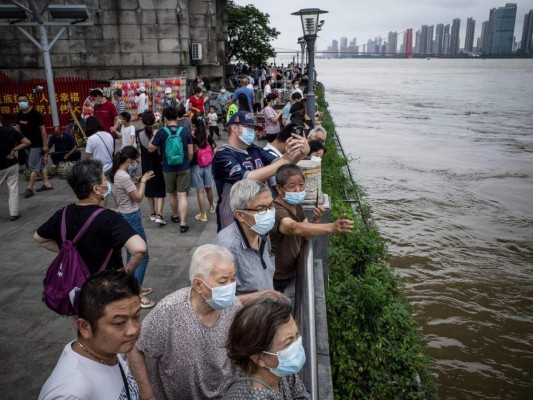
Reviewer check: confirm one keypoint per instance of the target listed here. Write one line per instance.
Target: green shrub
(374, 340)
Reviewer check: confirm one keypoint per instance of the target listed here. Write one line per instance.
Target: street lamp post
(310, 26)
(301, 42)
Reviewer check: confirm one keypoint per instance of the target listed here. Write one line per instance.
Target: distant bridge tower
(408, 43)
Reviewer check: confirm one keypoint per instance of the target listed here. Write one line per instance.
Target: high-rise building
(352, 48)
(469, 38)
(393, 42)
(439, 38)
(344, 46)
(454, 37)
(429, 40)
(501, 23)
(485, 38)
(423, 40)
(408, 42)
(334, 49)
(527, 33)
(446, 40)
(416, 48)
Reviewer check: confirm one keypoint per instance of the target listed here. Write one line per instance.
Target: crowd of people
(230, 334)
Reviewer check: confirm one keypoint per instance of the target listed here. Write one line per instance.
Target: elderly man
(318, 133)
(64, 147)
(186, 332)
(241, 159)
(247, 238)
(92, 367)
(102, 243)
(291, 228)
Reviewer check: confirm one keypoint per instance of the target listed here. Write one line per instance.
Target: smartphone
(298, 130)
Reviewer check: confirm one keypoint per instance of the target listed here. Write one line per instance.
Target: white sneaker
(212, 209)
(153, 217)
(159, 220)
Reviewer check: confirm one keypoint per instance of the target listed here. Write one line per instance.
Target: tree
(249, 34)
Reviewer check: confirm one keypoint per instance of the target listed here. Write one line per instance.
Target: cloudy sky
(366, 19)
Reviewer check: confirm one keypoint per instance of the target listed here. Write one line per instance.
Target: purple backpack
(68, 272)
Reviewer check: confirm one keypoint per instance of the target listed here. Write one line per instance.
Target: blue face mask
(23, 105)
(222, 296)
(248, 136)
(294, 197)
(290, 360)
(264, 222)
(109, 189)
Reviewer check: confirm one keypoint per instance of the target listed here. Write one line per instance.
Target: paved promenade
(32, 336)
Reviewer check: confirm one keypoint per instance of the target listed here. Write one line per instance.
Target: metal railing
(304, 313)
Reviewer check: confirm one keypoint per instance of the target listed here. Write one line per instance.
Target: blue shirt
(160, 140)
(231, 165)
(248, 92)
(64, 143)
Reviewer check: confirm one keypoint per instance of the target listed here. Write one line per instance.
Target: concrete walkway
(32, 337)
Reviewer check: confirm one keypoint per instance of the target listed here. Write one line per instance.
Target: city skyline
(370, 19)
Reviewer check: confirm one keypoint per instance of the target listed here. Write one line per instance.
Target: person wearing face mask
(187, 330)
(108, 231)
(241, 159)
(223, 100)
(168, 100)
(265, 345)
(30, 123)
(291, 228)
(247, 237)
(127, 197)
(317, 150)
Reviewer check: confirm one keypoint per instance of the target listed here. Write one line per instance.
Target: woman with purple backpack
(201, 177)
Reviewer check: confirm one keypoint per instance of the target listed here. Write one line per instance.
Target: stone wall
(129, 39)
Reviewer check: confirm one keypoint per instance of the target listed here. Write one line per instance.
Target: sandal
(174, 219)
(146, 291)
(184, 228)
(146, 302)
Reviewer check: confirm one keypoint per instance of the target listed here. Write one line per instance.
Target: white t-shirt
(101, 145)
(76, 377)
(142, 103)
(127, 132)
(213, 119)
(268, 90)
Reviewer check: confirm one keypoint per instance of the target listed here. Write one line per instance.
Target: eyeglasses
(261, 210)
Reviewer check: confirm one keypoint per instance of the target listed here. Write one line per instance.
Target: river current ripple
(444, 151)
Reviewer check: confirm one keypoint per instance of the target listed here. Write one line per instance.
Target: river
(444, 151)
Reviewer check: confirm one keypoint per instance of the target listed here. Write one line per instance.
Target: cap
(142, 89)
(168, 90)
(296, 107)
(243, 118)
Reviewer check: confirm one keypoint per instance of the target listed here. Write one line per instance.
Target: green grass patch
(374, 340)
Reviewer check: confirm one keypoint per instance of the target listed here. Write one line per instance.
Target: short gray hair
(243, 192)
(206, 257)
(314, 131)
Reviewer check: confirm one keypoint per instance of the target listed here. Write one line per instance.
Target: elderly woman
(186, 332)
(265, 345)
(247, 238)
(291, 228)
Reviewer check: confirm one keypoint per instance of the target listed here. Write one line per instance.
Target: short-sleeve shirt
(191, 358)
(255, 268)
(196, 103)
(290, 387)
(108, 231)
(231, 165)
(127, 132)
(9, 139)
(122, 187)
(106, 114)
(248, 92)
(160, 140)
(101, 146)
(30, 126)
(271, 127)
(286, 247)
(286, 112)
(63, 143)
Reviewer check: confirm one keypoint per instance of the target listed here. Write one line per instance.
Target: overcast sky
(366, 19)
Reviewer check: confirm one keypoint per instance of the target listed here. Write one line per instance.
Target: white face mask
(316, 158)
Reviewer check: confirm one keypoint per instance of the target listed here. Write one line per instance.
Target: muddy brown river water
(444, 151)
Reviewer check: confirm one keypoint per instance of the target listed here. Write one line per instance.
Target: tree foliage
(249, 34)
